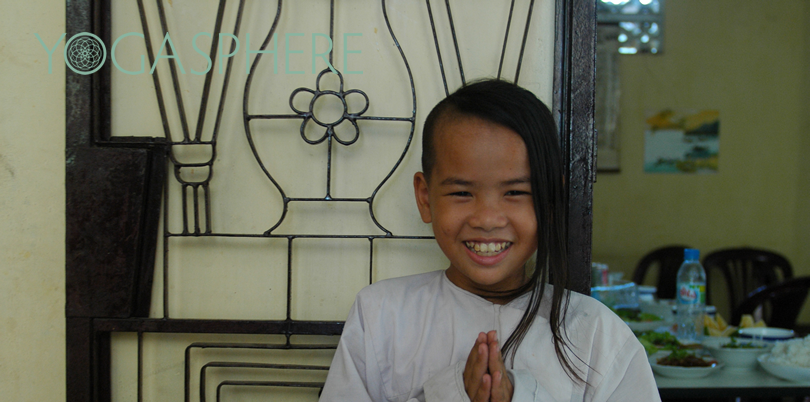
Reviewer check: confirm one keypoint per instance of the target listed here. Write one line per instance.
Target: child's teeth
(487, 248)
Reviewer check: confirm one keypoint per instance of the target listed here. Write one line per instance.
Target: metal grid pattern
(197, 221)
(201, 214)
(92, 354)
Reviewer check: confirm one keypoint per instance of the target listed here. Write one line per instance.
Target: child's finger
(501, 390)
(492, 336)
(476, 366)
(501, 385)
(483, 394)
(473, 356)
(474, 377)
(495, 362)
(481, 363)
(495, 393)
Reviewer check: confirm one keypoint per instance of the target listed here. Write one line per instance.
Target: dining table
(729, 383)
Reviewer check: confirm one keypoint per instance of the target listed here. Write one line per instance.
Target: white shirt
(408, 339)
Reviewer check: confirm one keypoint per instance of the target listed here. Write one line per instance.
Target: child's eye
(517, 192)
(461, 194)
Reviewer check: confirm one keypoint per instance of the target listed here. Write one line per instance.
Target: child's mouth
(487, 249)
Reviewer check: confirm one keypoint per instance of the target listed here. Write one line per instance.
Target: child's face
(480, 203)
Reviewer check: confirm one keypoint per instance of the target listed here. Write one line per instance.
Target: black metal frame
(111, 294)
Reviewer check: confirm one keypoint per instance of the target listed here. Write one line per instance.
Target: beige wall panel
(32, 206)
(235, 278)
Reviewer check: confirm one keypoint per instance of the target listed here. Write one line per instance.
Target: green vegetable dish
(733, 344)
(653, 341)
(684, 358)
(631, 315)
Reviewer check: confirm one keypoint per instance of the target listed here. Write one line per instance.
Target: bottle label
(692, 293)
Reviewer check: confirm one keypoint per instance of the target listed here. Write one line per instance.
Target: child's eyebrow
(520, 180)
(455, 181)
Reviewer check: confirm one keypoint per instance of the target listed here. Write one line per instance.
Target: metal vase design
(337, 130)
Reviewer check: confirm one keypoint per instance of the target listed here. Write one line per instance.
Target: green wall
(802, 203)
(749, 61)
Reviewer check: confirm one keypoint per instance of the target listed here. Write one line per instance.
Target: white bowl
(620, 294)
(736, 358)
(766, 333)
(682, 372)
(789, 373)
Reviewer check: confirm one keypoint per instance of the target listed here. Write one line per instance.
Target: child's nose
(488, 216)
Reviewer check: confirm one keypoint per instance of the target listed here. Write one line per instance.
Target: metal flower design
(327, 112)
(323, 121)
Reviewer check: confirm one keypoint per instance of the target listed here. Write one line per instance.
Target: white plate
(766, 333)
(682, 372)
(736, 358)
(642, 326)
(789, 373)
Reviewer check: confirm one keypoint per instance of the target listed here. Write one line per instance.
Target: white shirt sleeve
(638, 382)
(348, 378)
(354, 374)
(629, 379)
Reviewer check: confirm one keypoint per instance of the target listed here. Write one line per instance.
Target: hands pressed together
(485, 378)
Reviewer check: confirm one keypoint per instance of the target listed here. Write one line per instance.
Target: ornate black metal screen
(116, 187)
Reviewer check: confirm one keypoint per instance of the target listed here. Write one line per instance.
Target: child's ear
(420, 190)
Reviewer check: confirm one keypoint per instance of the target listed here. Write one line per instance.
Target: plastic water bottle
(691, 297)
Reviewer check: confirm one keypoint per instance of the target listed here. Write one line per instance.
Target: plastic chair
(667, 260)
(780, 303)
(743, 270)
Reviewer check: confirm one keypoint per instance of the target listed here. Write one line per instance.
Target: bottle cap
(691, 254)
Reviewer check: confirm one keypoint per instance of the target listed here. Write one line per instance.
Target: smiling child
(492, 188)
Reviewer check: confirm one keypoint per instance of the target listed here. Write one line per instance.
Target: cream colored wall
(750, 63)
(32, 207)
